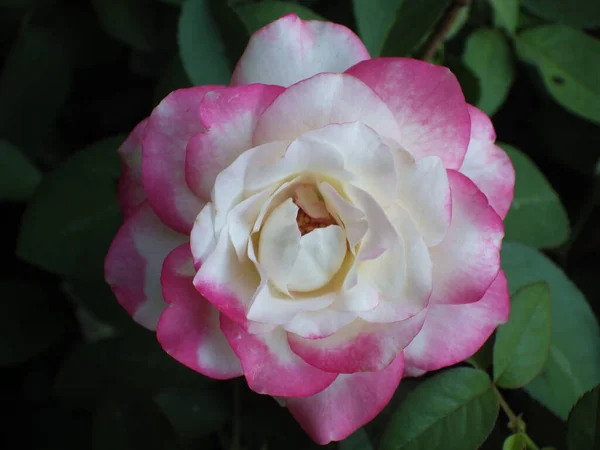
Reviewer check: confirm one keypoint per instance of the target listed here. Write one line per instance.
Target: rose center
(306, 224)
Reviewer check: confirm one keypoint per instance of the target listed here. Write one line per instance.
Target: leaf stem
(444, 25)
(515, 423)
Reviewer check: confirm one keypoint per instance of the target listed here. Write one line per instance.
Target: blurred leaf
(576, 13)
(484, 357)
(374, 19)
(71, 220)
(359, 440)
(413, 22)
(469, 82)
(506, 14)
(461, 20)
(30, 322)
(194, 412)
(18, 177)
(522, 344)
(536, 216)
(455, 409)
(128, 420)
(488, 56)
(34, 84)
(172, 79)
(202, 50)
(515, 442)
(132, 22)
(573, 365)
(257, 15)
(232, 29)
(568, 61)
(583, 428)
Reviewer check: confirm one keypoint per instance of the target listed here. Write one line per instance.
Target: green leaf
(257, 15)
(522, 344)
(173, 78)
(374, 19)
(18, 177)
(132, 22)
(568, 61)
(413, 22)
(536, 216)
(194, 412)
(202, 50)
(515, 442)
(488, 56)
(34, 85)
(576, 13)
(359, 440)
(30, 322)
(506, 14)
(583, 427)
(454, 410)
(573, 365)
(73, 216)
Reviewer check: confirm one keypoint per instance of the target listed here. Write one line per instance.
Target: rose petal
(131, 191)
(134, 262)
(319, 324)
(426, 101)
(189, 329)
(270, 366)
(290, 49)
(487, 165)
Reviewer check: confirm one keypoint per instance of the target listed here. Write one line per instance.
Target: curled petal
(290, 49)
(131, 191)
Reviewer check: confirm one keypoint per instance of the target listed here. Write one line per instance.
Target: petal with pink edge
(189, 330)
(468, 259)
(452, 333)
(131, 191)
(321, 100)
(270, 366)
(170, 126)
(229, 115)
(134, 261)
(349, 403)
(427, 102)
(487, 165)
(290, 50)
(359, 347)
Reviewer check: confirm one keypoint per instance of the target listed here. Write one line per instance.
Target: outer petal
(452, 333)
(349, 403)
(321, 100)
(133, 264)
(131, 191)
(229, 114)
(290, 50)
(427, 102)
(487, 165)
(359, 347)
(468, 259)
(189, 329)
(172, 123)
(270, 366)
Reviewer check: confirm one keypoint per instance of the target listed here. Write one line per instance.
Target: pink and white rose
(324, 226)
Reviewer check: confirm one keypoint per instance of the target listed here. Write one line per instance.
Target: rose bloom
(324, 226)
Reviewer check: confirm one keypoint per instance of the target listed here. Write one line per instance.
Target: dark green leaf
(18, 177)
(484, 356)
(74, 215)
(454, 410)
(374, 19)
(522, 344)
(202, 50)
(257, 15)
(30, 322)
(488, 56)
(413, 23)
(359, 440)
(583, 432)
(132, 22)
(567, 60)
(515, 442)
(194, 412)
(536, 216)
(573, 365)
(576, 13)
(506, 14)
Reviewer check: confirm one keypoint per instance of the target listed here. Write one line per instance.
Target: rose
(322, 233)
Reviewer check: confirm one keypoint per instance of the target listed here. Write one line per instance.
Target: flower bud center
(312, 211)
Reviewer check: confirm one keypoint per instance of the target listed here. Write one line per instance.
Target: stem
(515, 422)
(444, 25)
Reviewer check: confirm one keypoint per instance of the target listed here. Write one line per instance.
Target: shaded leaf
(583, 427)
(515, 442)
(506, 14)
(576, 13)
(18, 177)
(257, 15)
(359, 440)
(374, 19)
